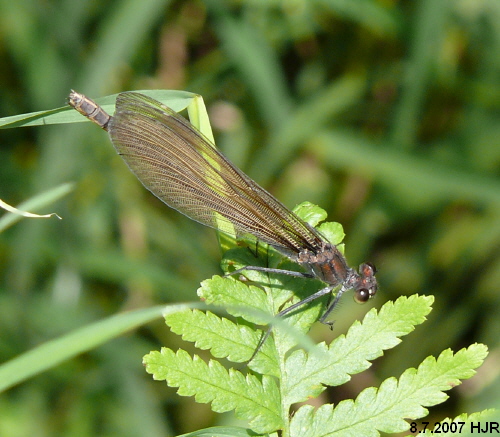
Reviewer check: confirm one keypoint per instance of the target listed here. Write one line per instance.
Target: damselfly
(179, 166)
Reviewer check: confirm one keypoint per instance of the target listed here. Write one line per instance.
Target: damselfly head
(367, 286)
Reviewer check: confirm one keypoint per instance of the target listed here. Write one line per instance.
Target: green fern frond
(386, 408)
(285, 371)
(253, 399)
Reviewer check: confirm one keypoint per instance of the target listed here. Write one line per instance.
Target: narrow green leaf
(198, 116)
(258, 64)
(177, 100)
(375, 16)
(81, 340)
(384, 409)
(253, 400)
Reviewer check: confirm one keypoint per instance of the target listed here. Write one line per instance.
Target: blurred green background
(384, 112)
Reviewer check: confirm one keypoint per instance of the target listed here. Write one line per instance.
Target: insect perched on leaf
(179, 166)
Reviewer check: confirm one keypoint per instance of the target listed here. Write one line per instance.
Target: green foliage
(265, 402)
(177, 100)
(70, 345)
(384, 112)
(283, 373)
(254, 399)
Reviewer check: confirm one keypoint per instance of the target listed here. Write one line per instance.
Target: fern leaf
(350, 354)
(252, 399)
(240, 299)
(384, 409)
(224, 339)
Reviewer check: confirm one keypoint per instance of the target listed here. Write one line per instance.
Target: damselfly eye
(362, 295)
(367, 269)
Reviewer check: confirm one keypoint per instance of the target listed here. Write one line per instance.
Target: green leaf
(313, 214)
(250, 302)
(252, 399)
(81, 340)
(289, 376)
(224, 339)
(259, 304)
(352, 353)
(386, 408)
(177, 100)
(310, 213)
(334, 233)
(198, 116)
(240, 299)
